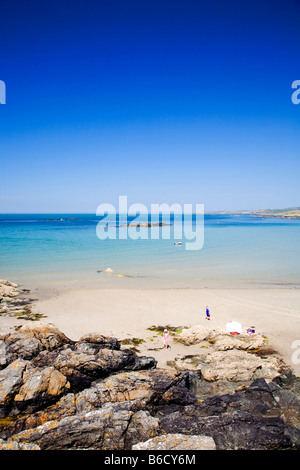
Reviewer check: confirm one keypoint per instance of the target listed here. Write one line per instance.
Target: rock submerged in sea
(108, 270)
(59, 394)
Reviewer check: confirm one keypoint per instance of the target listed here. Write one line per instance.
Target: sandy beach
(128, 313)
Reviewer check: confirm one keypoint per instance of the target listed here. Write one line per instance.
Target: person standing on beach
(166, 339)
(207, 313)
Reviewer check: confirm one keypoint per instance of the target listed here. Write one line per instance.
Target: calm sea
(238, 250)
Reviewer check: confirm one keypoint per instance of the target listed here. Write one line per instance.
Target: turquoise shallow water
(237, 251)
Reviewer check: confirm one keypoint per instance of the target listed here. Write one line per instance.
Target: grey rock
(251, 419)
(15, 445)
(177, 442)
(105, 428)
(92, 394)
(10, 381)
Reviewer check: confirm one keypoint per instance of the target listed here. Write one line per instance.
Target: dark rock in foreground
(91, 394)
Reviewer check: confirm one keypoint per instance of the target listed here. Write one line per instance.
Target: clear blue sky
(162, 101)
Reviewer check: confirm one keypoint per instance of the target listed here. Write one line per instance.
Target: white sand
(127, 313)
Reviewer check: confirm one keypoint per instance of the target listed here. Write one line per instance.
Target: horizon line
(212, 211)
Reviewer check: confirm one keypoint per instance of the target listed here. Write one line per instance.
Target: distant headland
(288, 213)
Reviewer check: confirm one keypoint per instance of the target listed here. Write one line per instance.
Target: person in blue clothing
(207, 313)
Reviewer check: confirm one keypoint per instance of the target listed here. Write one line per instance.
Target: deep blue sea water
(238, 250)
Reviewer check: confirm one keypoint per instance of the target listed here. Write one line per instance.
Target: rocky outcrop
(221, 341)
(112, 427)
(227, 363)
(239, 366)
(16, 302)
(194, 335)
(40, 364)
(56, 393)
(252, 419)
